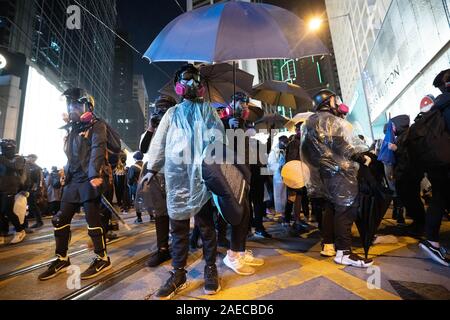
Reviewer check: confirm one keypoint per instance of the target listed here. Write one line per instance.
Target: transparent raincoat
(177, 150)
(328, 146)
(276, 161)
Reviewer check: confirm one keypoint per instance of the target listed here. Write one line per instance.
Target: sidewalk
(294, 270)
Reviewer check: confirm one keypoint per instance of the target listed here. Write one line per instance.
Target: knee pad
(59, 223)
(95, 232)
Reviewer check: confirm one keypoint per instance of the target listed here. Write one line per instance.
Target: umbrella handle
(234, 87)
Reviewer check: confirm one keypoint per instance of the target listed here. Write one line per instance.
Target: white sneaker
(250, 260)
(237, 265)
(328, 250)
(18, 237)
(347, 258)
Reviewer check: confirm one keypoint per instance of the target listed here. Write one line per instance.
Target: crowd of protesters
(229, 202)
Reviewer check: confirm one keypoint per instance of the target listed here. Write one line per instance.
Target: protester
(120, 182)
(186, 124)
(297, 199)
(439, 177)
(238, 258)
(11, 181)
(54, 188)
(34, 182)
(333, 161)
(277, 159)
(86, 149)
(156, 189)
(133, 175)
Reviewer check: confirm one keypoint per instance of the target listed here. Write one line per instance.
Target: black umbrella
(280, 93)
(374, 201)
(219, 81)
(272, 121)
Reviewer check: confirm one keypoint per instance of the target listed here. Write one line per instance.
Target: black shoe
(111, 236)
(416, 230)
(37, 225)
(439, 255)
(175, 284)
(223, 243)
(212, 285)
(263, 234)
(97, 267)
(138, 221)
(56, 267)
(158, 258)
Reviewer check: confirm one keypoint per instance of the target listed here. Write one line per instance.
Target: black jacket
(293, 149)
(443, 103)
(86, 153)
(10, 173)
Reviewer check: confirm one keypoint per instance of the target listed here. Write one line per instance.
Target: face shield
(76, 109)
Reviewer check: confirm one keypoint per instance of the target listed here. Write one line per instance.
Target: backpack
(113, 145)
(56, 182)
(428, 140)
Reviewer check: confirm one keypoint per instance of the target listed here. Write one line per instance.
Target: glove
(233, 123)
(147, 178)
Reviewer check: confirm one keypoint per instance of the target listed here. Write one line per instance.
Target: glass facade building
(411, 46)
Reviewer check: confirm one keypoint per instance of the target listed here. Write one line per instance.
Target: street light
(315, 24)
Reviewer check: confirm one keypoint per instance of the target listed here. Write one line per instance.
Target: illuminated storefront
(412, 47)
(42, 119)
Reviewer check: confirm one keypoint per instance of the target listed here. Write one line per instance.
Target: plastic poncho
(328, 144)
(177, 150)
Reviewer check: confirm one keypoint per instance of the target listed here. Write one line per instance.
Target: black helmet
(80, 95)
(442, 80)
(8, 147)
(138, 156)
(240, 96)
(322, 99)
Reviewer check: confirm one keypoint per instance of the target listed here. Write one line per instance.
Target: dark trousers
(257, 208)
(301, 204)
(317, 206)
(180, 238)
(7, 214)
(441, 192)
(54, 206)
(337, 224)
(95, 226)
(239, 233)
(409, 193)
(33, 207)
(162, 231)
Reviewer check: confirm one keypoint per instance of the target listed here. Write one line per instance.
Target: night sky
(144, 19)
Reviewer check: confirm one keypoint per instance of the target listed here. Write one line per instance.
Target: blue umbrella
(386, 155)
(232, 31)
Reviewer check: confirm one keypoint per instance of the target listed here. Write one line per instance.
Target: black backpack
(114, 145)
(428, 141)
(55, 181)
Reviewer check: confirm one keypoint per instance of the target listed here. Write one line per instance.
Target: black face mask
(9, 153)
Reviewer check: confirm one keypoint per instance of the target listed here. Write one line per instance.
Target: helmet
(442, 81)
(138, 156)
(188, 84)
(8, 147)
(240, 96)
(80, 105)
(322, 99)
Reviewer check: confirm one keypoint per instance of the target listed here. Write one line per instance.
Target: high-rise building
(140, 95)
(129, 96)
(388, 53)
(57, 55)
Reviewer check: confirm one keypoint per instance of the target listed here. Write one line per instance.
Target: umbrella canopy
(280, 93)
(272, 121)
(235, 30)
(300, 117)
(219, 83)
(374, 199)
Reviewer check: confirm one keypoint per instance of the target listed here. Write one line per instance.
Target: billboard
(42, 118)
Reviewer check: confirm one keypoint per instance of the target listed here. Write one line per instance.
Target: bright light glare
(315, 24)
(41, 120)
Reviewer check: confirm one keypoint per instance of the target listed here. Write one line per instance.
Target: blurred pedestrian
(54, 188)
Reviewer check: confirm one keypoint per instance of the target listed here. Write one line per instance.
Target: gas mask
(189, 86)
(8, 148)
(79, 112)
